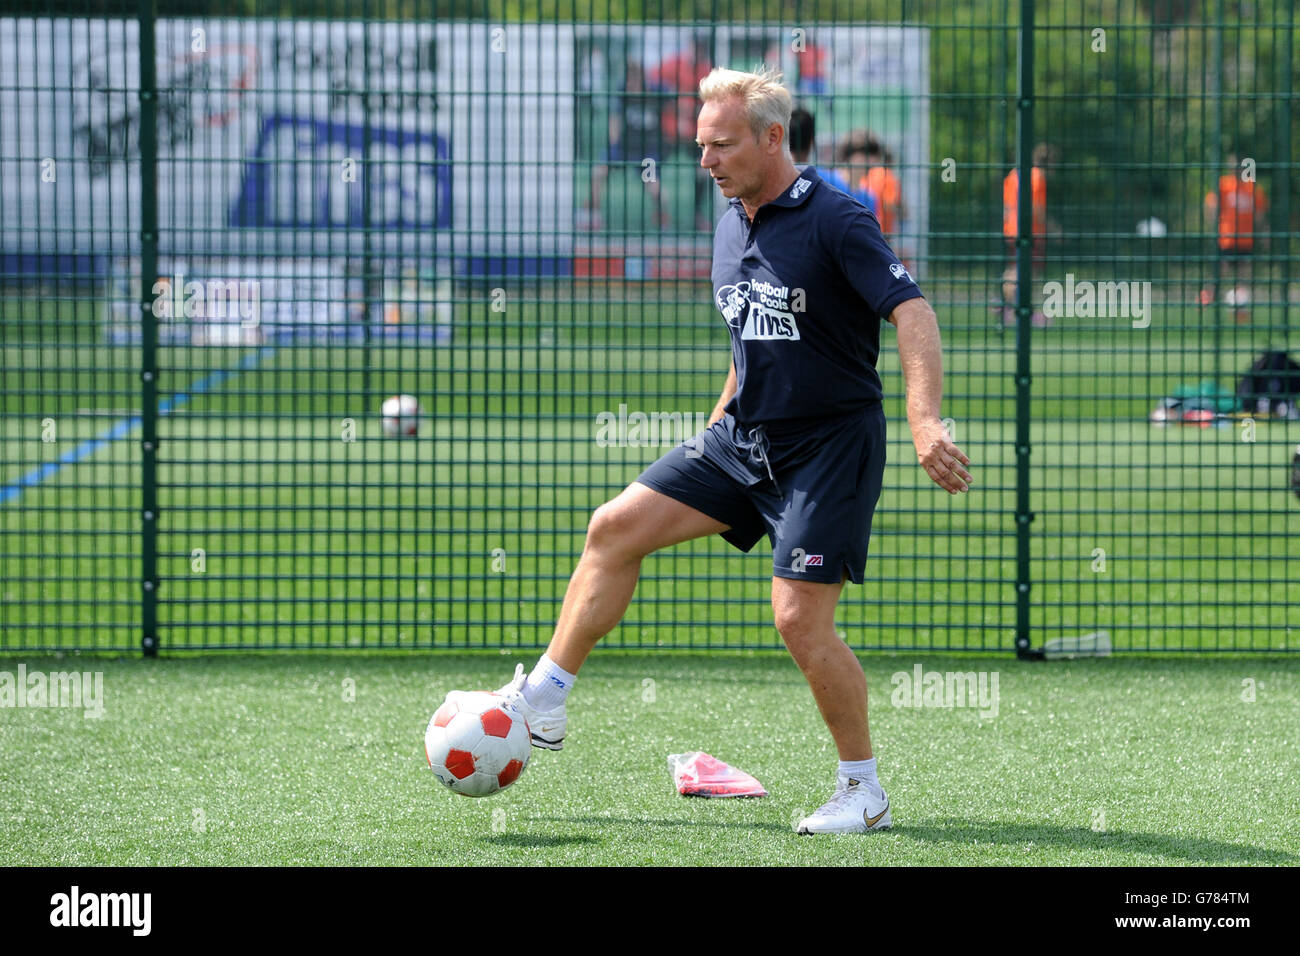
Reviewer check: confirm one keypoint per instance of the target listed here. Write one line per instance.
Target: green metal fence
(228, 234)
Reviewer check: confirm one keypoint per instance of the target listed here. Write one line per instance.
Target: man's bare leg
(638, 522)
(805, 617)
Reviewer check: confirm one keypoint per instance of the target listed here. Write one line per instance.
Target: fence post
(148, 330)
(374, 287)
(1283, 189)
(1024, 312)
(1216, 151)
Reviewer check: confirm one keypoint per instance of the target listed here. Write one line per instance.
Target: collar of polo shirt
(794, 195)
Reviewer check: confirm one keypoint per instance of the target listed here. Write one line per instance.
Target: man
(881, 182)
(1043, 158)
(795, 447)
(634, 136)
(681, 74)
(1237, 208)
(803, 133)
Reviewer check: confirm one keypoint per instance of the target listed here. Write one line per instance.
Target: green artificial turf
(262, 759)
(1169, 539)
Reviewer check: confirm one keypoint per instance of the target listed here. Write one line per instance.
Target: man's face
(735, 160)
(857, 166)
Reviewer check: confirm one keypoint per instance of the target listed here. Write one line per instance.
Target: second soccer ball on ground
(401, 416)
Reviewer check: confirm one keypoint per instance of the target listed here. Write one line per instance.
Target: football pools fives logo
(760, 310)
(732, 301)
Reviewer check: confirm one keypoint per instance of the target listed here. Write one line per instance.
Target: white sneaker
(853, 808)
(546, 726)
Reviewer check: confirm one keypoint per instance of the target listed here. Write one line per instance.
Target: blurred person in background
(880, 180)
(803, 133)
(634, 136)
(679, 77)
(1236, 211)
(1044, 157)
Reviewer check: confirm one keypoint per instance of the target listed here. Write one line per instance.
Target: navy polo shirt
(803, 289)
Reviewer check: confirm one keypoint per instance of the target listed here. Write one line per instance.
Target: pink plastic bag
(697, 774)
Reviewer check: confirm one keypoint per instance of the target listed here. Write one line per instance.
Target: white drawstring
(758, 452)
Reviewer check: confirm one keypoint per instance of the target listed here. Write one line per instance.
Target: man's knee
(611, 532)
(804, 613)
(801, 624)
(785, 615)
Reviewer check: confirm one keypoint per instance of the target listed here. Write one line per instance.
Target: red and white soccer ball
(477, 743)
(401, 416)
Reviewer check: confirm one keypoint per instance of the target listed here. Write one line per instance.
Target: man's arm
(728, 390)
(922, 359)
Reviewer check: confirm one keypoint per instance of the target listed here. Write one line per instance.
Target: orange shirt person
(1236, 209)
(1011, 202)
(1237, 206)
(1040, 226)
(1012, 206)
(881, 182)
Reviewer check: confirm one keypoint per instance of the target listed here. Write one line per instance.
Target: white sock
(863, 771)
(548, 685)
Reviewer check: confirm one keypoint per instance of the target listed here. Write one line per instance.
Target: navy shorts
(810, 486)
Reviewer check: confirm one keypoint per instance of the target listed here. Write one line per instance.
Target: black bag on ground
(1272, 381)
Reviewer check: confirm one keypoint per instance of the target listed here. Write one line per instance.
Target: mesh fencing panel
(230, 235)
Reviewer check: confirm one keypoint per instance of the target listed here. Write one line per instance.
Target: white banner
(274, 136)
(467, 148)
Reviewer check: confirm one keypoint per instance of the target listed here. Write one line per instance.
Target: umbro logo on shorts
(800, 559)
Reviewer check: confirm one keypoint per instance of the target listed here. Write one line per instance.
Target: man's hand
(922, 360)
(728, 390)
(942, 460)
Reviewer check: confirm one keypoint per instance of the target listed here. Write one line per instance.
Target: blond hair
(766, 100)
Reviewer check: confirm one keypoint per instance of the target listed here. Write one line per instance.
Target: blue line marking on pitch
(126, 426)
